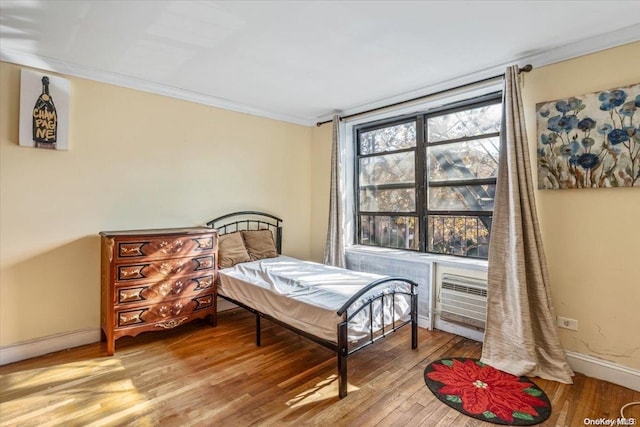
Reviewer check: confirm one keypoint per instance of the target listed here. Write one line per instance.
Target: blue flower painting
(590, 141)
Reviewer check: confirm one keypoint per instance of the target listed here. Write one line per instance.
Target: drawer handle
(128, 295)
(204, 263)
(130, 318)
(205, 243)
(134, 271)
(129, 251)
(171, 323)
(204, 282)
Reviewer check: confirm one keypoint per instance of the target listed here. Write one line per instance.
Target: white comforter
(307, 295)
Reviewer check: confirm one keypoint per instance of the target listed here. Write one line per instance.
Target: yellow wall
(591, 236)
(136, 160)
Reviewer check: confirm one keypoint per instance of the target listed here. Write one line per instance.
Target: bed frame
(253, 220)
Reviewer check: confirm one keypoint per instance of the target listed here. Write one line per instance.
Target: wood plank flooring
(196, 375)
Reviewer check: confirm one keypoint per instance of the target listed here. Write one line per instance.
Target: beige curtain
(334, 248)
(521, 336)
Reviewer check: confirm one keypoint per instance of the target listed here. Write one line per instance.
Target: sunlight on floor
(326, 389)
(45, 377)
(91, 391)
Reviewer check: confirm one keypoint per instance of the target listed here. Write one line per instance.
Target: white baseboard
(604, 370)
(39, 346)
(424, 322)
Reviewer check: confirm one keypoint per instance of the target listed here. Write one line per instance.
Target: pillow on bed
(259, 244)
(231, 250)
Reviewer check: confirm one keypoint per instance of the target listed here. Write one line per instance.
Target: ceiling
(301, 61)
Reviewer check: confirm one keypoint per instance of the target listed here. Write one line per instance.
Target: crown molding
(552, 55)
(537, 59)
(74, 70)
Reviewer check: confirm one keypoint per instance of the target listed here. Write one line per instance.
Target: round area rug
(485, 393)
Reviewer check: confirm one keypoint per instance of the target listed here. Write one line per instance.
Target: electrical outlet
(565, 322)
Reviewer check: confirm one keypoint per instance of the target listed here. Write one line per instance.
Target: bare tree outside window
(427, 182)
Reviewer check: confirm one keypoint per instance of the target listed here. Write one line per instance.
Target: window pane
(391, 138)
(394, 232)
(463, 160)
(392, 200)
(388, 169)
(459, 235)
(477, 121)
(462, 198)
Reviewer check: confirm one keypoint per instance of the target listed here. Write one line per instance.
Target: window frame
(422, 213)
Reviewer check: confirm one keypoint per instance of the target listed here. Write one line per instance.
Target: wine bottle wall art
(44, 110)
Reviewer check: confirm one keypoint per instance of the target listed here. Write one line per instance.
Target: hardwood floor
(196, 375)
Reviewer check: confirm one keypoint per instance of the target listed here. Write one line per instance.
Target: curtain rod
(524, 69)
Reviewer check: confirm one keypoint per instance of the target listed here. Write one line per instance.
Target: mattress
(307, 295)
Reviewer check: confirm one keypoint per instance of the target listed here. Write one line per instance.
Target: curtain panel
(521, 336)
(334, 247)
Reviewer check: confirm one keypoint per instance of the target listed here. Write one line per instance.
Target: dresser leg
(111, 342)
(111, 346)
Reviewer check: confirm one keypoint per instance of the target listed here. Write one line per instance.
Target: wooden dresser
(156, 279)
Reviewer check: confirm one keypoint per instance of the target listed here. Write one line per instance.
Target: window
(387, 185)
(427, 182)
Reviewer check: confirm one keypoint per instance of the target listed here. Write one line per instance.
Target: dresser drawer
(164, 289)
(164, 268)
(165, 315)
(163, 247)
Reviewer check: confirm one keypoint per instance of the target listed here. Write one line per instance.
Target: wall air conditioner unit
(463, 300)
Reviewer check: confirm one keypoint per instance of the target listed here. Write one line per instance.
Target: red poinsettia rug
(485, 393)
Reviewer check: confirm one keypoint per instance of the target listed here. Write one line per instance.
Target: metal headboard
(249, 220)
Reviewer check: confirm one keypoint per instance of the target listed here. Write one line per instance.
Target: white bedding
(307, 295)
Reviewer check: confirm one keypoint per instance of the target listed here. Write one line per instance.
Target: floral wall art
(590, 141)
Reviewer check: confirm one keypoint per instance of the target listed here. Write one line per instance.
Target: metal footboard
(351, 309)
(348, 311)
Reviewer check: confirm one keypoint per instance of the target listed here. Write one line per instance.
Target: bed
(343, 310)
